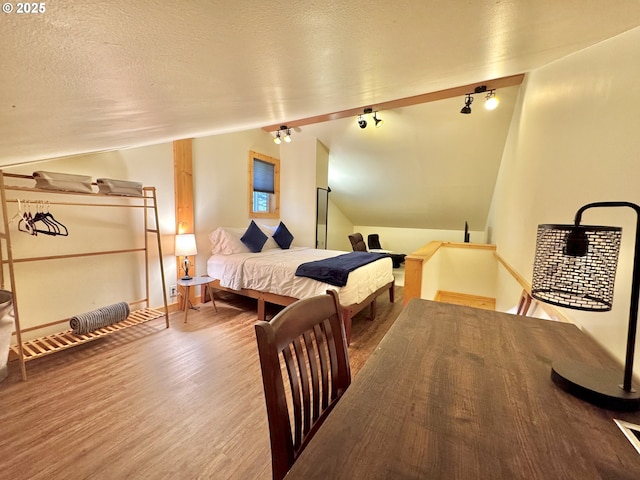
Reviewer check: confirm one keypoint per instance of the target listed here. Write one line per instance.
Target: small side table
(194, 282)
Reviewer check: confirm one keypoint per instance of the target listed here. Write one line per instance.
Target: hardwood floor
(149, 402)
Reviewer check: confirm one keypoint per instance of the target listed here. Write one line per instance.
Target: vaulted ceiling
(93, 76)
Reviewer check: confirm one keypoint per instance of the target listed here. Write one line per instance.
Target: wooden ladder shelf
(31, 349)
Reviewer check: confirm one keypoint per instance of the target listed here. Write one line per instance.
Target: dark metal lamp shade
(575, 266)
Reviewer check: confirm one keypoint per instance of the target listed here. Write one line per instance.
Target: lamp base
(596, 386)
(186, 277)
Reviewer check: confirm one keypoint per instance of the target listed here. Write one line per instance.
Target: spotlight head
(287, 137)
(379, 121)
(467, 104)
(276, 139)
(491, 101)
(362, 122)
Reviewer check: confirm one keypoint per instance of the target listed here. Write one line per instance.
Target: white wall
(220, 166)
(220, 183)
(339, 229)
(220, 179)
(574, 140)
(322, 165)
(407, 240)
(431, 277)
(461, 270)
(508, 291)
(298, 186)
(469, 271)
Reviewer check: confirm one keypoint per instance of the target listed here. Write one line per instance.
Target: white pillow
(269, 230)
(226, 241)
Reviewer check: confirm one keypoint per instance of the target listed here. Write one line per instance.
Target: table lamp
(575, 267)
(185, 246)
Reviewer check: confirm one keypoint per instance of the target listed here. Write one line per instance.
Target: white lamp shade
(186, 245)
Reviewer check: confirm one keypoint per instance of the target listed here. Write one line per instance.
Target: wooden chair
(309, 336)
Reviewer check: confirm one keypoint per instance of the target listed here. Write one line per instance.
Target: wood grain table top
(456, 392)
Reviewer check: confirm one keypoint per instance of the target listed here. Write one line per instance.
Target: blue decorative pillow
(254, 238)
(283, 236)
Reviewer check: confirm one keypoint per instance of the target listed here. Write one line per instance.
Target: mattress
(273, 271)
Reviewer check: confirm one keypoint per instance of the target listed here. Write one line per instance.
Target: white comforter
(273, 271)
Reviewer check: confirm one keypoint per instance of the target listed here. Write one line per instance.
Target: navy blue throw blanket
(335, 270)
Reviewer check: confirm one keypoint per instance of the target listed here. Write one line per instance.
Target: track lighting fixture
(283, 133)
(362, 122)
(491, 101)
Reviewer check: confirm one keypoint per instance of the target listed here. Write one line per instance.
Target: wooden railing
(414, 264)
(416, 261)
(548, 309)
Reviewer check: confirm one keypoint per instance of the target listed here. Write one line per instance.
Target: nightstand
(194, 282)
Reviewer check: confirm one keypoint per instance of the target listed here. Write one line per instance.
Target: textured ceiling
(94, 75)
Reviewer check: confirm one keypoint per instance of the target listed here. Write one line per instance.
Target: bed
(269, 275)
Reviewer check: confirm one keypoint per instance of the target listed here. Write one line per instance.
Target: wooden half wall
(416, 262)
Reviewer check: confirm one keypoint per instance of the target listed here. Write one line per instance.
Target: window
(264, 186)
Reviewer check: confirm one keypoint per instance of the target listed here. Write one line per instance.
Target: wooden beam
(183, 191)
(494, 84)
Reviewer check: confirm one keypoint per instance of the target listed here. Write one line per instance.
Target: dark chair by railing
(357, 242)
(373, 241)
(308, 337)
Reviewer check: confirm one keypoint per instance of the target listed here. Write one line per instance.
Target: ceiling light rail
(491, 100)
(284, 133)
(496, 83)
(362, 122)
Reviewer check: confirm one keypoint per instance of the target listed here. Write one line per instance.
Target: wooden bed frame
(348, 311)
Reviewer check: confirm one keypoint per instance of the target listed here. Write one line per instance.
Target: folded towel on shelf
(109, 186)
(65, 182)
(102, 317)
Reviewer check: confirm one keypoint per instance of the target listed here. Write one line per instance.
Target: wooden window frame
(275, 206)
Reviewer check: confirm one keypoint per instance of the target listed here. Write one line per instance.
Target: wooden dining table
(454, 392)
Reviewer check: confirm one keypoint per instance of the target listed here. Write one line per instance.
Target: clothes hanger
(60, 227)
(18, 214)
(47, 219)
(40, 216)
(27, 220)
